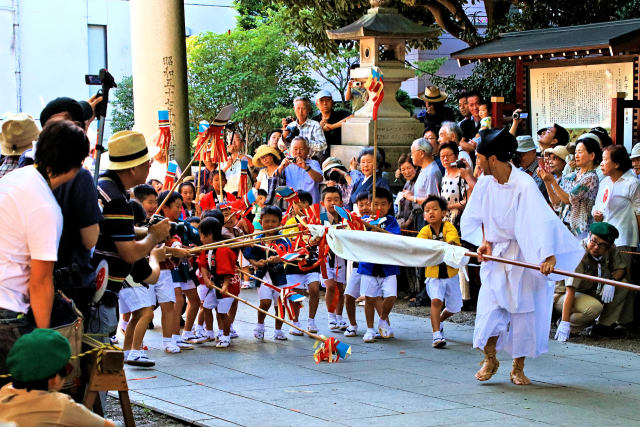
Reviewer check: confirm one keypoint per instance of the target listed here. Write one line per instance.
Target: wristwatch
(307, 168)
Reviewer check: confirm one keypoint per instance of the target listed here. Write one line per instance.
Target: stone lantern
(382, 34)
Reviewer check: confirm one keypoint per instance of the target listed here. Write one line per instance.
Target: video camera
(106, 80)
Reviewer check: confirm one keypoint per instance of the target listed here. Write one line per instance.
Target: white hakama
(515, 303)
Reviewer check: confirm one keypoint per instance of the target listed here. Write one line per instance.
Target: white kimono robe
(515, 303)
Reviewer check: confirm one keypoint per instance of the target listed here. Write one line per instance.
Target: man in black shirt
(330, 119)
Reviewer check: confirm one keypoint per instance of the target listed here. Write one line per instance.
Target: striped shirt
(117, 226)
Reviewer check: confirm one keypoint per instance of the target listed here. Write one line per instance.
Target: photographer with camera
(301, 172)
(355, 93)
(128, 166)
(30, 229)
(305, 127)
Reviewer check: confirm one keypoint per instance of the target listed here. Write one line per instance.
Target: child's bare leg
(177, 310)
(193, 302)
(265, 304)
(436, 308)
(128, 333)
(226, 323)
(167, 319)
(340, 306)
(330, 293)
(232, 311)
(445, 315)
(314, 299)
(369, 310)
(387, 306)
(207, 315)
(145, 315)
(350, 306)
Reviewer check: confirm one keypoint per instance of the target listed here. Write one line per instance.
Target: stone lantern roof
(382, 21)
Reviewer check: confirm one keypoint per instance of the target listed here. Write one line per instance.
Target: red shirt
(224, 260)
(210, 200)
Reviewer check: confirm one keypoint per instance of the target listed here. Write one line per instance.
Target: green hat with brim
(605, 231)
(38, 355)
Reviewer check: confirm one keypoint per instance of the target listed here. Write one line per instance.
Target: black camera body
(175, 227)
(458, 164)
(293, 132)
(518, 116)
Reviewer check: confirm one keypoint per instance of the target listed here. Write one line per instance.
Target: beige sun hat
(262, 151)
(559, 151)
(433, 94)
(18, 133)
(128, 149)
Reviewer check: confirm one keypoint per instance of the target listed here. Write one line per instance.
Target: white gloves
(564, 329)
(607, 293)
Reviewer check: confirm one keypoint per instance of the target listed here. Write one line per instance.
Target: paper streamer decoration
(375, 86)
(164, 140)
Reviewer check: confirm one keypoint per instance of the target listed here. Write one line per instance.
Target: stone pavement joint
(401, 382)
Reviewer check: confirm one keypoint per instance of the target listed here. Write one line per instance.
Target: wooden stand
(111, 376)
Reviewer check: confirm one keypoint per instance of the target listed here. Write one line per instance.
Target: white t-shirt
(30, 228)
(619, 203)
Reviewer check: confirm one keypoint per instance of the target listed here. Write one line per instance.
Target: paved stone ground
(395, 382)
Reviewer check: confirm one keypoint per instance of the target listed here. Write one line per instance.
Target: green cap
(38, 355)
(604, 230)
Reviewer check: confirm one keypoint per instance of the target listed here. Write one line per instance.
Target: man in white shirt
(30, 228)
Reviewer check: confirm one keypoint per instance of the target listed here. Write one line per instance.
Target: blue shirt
(362, 186)
(382, 270)
(276, 271)
(299, 179)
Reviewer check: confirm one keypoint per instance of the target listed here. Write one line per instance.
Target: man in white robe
(508, 217)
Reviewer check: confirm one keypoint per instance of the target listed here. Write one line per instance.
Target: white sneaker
(294, 331)
(384, 330)
(224, 342)
(183, 345)
(352, 331)
(258, 333)
(438, 340)
(333, 324)
(171, 348)
(232, 333)
(194, 339)
(279, 335)
(343, 325)
(390, 332)
(311, 326)
(369, 336)
(139, 358)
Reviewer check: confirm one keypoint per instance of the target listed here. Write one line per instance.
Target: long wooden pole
(241, 243)
(562, 272)
(179, 180)
(375, 161)
(312, 335)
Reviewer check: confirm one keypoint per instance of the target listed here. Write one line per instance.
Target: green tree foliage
(334, 68)
(122, 112)
(259, 71)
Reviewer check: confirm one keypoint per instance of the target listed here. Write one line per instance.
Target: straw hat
(18, 132)
(433, 94)
(127, 149)
(262, 151)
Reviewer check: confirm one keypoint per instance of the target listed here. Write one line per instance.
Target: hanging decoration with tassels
(243, 186)
(330, 350)
(164, 139)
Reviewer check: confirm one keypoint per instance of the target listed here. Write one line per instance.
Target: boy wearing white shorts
(269, 267)
(442, 281)
(308, 277)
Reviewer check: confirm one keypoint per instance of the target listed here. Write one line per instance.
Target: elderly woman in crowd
(365, 183)
(451, 132)
(579, 189)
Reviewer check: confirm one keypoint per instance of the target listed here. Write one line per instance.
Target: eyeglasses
(603, 245)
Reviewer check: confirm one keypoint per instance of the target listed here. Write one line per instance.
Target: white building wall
(53, 45)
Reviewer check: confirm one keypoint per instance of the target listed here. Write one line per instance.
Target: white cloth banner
(392, 249)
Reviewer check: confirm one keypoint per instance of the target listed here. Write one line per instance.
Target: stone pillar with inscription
(159, 63)
(382, 34)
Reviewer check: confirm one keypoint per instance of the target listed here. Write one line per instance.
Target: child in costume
(441, 281)
(380, 281)
(269, 267)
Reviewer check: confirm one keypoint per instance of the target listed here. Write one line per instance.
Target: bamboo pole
(561, 272)
(240, 243)
(310, 334)
(179, 180)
